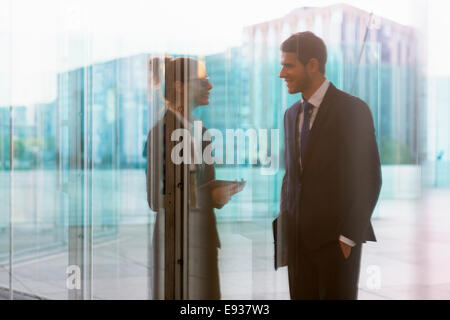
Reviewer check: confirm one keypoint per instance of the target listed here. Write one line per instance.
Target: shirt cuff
(345, 240)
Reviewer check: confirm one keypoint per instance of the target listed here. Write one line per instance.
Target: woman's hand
(222, 195)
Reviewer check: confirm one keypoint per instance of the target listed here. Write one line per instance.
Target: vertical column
(11, 162)
(11, 188)
(80, 191)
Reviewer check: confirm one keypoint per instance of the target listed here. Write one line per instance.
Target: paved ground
(410, 260)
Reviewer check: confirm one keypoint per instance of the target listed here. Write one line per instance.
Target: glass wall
(82, 167)
(5, 151)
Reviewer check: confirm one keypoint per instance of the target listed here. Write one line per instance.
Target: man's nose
(281, 75)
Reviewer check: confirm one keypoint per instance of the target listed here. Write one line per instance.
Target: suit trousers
(324, 274)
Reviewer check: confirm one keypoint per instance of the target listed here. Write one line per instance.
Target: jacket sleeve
(284, 195)
(208, 175)
(148, 170)
(360, 171)
(283, 216)
(153, 171)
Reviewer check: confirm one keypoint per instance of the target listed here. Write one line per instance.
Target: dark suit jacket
(203, 218)
(203, 239)
(337, 190)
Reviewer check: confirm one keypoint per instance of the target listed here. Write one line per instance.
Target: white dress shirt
(316, 100)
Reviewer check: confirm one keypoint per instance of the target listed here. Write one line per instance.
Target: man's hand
(346, 249)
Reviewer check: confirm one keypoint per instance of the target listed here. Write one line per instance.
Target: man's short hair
(306, 45)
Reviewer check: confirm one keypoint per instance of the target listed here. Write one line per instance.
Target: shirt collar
(317, 98)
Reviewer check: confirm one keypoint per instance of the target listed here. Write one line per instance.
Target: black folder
(279, 241)
(274, 230)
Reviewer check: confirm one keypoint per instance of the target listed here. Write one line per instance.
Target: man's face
(294, 73)
(199, 87)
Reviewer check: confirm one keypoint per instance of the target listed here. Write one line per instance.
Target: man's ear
(313, 65)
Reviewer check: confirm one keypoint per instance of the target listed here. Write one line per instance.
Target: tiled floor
(410, 260)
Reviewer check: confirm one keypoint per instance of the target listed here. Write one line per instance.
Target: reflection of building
(247, 92)
(4, 138)
(34, 136)
(436, 171)
(112, 97)
(385, 77)
(228, 77)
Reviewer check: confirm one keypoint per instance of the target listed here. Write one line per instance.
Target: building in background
(369, 56)
(102, 113)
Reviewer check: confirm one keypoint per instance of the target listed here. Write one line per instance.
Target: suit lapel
(318, 123)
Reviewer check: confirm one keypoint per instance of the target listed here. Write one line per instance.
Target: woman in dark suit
(187, 87)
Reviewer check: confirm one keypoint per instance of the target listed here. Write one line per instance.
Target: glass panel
(5, 187)
(101, 208)
(85, 231)
(120, 210)
(38, 224)
(5, 152)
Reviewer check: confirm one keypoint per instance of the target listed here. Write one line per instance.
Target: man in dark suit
(332, 177)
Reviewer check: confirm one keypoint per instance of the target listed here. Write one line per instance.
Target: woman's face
(199, 87)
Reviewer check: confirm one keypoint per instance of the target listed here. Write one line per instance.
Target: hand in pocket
(346, 249)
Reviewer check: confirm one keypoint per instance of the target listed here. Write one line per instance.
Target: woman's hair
(175, 69)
